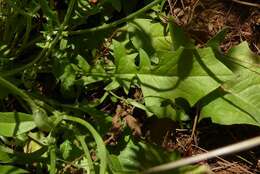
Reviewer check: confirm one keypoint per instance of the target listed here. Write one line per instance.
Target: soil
(202, 19)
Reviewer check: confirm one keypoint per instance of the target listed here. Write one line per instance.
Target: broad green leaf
(178, 36)
(137, 157)
(90, 74)
(190, 74)
(8, 169)
(95, 74)
(125, 65)
(15, 123)
(239, 101)
(145, 63)
(240, 58)
(63, 44)
(165, 111)
(149, 35)
(32, 146)
(186, 73)
(65, 149)
(240, 105)
(113, 85)
(5, 157)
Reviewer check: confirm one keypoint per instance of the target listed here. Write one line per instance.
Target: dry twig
(230, 149)
(247, 3)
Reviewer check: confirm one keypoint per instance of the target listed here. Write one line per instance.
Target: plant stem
(52, 159)
(102, 152)
(234, 148)
(17, 91)
(17, 9)
(257, 5)
(47, 50)
(19, 69)
(87, 153)
(116, 23)
(119, 98)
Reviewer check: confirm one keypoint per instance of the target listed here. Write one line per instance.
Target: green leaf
(122, 59)
(15, 123)
(48, 11)
(5, 157)
(190, 74)
(68, 77)
(42, 120)
(240, 58)
(8, 169)
(145, 63)
(65, 149)
(3, 92)
(83, 64)
(116, 4)
(240, 104)
(63, 44)
(187, 73)
(102, 119)
(217, 39)
(124, 74)
(237, 102)
(148, 35)
(69, 151)
(137, 157)
(178, 36)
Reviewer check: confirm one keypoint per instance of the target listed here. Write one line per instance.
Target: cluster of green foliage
(78, 47)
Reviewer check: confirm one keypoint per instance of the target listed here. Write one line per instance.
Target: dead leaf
(133, 124)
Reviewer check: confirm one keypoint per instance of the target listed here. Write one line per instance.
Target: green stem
(40, 117)
(17, 9)
(116, 23)
(102, 152)
(26, 66)
(18, 92)
(29, 44)
(48, 11)
(119, 98)
(44, 105)
(47, 50)
(97, 115)
(87, 153)
(52, 159)
(28, 30)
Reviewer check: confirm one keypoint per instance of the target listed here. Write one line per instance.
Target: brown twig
(230, 149)
(247, 3)
(225, 161)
